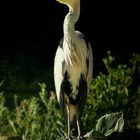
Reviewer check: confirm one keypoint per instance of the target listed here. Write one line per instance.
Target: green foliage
(110, 123)
(34, 118)
(114, 92)
(4, 116)
(39, 117)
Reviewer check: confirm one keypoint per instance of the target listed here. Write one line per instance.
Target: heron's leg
(68, 119)
(78, 122)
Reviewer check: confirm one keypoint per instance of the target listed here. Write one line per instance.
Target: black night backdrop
(34, 33)
(29, 38)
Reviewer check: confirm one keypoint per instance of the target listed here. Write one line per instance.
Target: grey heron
(73, 67)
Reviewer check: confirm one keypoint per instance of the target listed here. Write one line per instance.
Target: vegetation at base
(39, 117)
(116, 91)
(34, 118)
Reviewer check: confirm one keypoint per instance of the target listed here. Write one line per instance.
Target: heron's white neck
(70, 20)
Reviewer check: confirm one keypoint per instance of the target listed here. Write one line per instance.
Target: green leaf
(110, 123)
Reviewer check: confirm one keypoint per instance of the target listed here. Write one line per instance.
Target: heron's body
(72, 67)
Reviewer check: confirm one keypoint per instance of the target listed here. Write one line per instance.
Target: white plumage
(73, 66)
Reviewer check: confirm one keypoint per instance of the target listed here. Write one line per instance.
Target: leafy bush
(34, 118)
(40, 117)
(110, 123)
(114, 92)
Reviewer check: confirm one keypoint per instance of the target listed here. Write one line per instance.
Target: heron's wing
(85, 81)
(58, 70)
(82, 93)
(89, 66)
(89, 59)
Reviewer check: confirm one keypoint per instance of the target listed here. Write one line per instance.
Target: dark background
(35, 32)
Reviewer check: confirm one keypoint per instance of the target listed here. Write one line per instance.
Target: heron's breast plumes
(75, 54)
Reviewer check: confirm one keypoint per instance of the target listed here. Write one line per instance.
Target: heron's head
(71, 3)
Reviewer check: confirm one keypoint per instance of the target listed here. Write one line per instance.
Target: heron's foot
(81, 138)
(70, 138)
